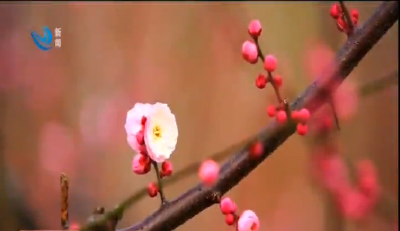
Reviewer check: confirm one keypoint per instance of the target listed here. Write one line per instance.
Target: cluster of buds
(142, 162)
(251, 51)
(247, 221)
(337, 13)
(166, 170)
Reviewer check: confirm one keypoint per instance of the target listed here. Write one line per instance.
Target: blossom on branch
(152, 129)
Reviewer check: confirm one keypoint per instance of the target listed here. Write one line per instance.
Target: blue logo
(43, 42)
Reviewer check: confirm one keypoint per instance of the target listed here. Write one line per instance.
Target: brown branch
(199, 198)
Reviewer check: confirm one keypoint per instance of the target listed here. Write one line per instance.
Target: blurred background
(64, 110)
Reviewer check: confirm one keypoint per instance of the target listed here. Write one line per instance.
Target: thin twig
(64, 201)
(347, 18)
(159, 182)
(335, 115)
(270, 79)
(378, 85)
(233, 171)
(350, 25)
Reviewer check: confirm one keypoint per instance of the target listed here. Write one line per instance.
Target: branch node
(216, 197)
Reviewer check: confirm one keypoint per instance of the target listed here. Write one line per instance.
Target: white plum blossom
(134, 124)
(161, 132)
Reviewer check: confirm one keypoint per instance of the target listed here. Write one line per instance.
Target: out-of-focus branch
(234, 170)
(378, 85)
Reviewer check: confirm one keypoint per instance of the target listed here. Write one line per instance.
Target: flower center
(157, 132)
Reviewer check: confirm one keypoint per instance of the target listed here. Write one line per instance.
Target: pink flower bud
(229, 219)
(138, 166)
(227, 206)
(152, 189)
(281, 117)
(248, 221)
(166, 169)
(302, 129)
(271, 111)
(249, 52)
(304, 115)
(270, 63)
(255, 28)
(208, 172)
(140, 137)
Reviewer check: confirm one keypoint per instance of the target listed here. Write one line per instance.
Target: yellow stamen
(157, 132)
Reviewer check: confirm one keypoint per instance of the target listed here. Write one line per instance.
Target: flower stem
(270, 79)
(276, 89)
(159, 182)
(347, 18)
(335, 116)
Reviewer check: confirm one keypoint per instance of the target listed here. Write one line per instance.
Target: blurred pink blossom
(102, 121)
(354, 205)
(57, 151)
(346, 100)
(368, 179)
(317, 59)
(331, 171)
